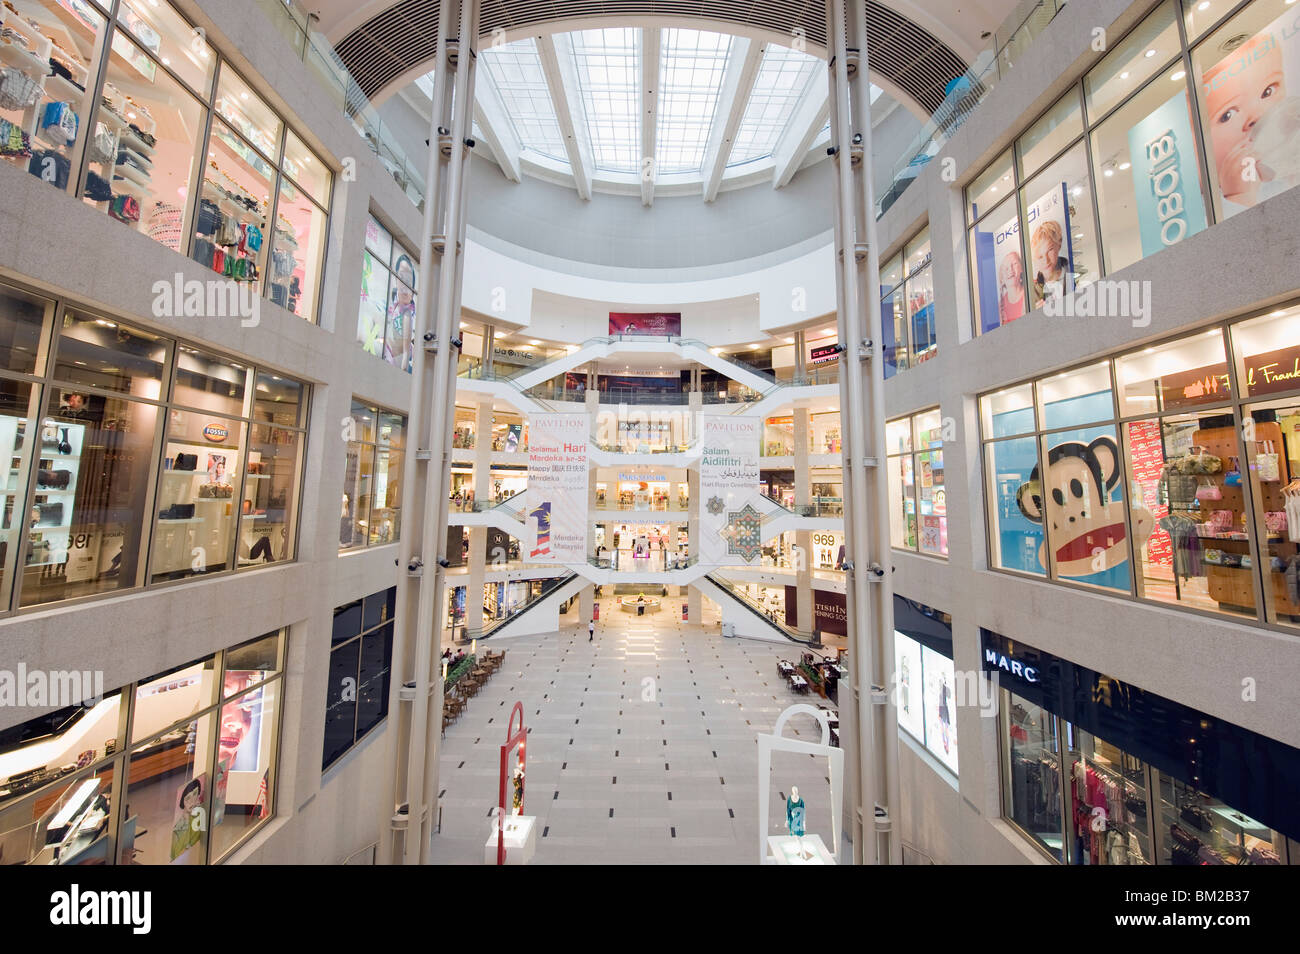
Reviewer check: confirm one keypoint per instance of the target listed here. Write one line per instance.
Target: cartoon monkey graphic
(1085, 526)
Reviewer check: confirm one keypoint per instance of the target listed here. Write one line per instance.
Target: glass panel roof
(516, 71)
(691, 66)
(609, 85)
(782, 78)
(604, 91)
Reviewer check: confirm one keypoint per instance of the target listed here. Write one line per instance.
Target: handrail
(373, 848)
(608, 563)
(965, 94)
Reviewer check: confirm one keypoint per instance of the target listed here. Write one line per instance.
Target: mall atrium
(654, 432)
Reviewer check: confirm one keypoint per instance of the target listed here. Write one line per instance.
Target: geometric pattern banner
(557, 494)
(731, 526)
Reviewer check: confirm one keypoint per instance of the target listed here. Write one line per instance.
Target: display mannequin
(794, 819)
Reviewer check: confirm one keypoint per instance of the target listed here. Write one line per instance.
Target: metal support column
(870, 586)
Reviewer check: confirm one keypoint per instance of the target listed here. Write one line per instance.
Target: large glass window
(907, 306)
(1032, 787)
(386, 321)
(361, 656)
(137, 145)
(918, 509)
(371, 511)
(123, 419)
(197, 776)
(1183, 468)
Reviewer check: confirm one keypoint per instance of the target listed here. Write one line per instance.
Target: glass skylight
(516, 70)
(608, 63)
(782, 79)
(691, 67)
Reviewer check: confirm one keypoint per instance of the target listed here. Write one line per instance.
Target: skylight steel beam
(737, 85)
(562, 84)
(650, 43)
(806, 123)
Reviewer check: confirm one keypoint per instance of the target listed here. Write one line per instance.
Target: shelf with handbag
(195, 514)
(54, 501)
(1198, 829)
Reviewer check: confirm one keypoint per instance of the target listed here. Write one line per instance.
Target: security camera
(456, 343)
(444, 562)
(848, 565)
(415, 565)
(877, 569)
(857, 139)
(831, 150)
(444, 131)
(470, 143)
(838, 349)
(430, 337)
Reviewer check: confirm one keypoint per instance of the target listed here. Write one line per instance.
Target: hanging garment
(165, 224)
(1186, 543)
(1292, 577)
(1293, 517)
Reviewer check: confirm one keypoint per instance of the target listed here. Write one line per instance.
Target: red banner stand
(595, 611)
(514, 739)
(685, 614)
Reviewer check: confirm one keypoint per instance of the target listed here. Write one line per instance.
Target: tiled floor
(641, 746)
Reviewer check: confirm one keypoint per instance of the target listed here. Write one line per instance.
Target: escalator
(744, 616)
(530, 617)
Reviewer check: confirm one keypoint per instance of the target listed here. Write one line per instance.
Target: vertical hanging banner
(557, 489)
(731, 518)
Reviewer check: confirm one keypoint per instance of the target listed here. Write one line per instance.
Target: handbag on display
(60, 123)
(1208, 491)
(1197, 817)
(18, 91)
(1197, 461)
(103, 147)
(125, 208)
(1220, 521)
(56, 479)
(1275, 521)
(1232, 478)
(1266, 464)
(48, 514)
(187, 462)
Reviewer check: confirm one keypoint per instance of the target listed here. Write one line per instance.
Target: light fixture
(1149, 53)
(534, 343)
(243, 95)
(462, 325)
(1126, 165)
(1277, 314)
(753, 347)
(789, 341)
(1124, 75)
(1203, 5)
(1108, 173)
(1177, 75)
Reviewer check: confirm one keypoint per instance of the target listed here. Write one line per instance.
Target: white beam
(737, 85)
(650, 42)
(807, 120)
(562, 84)
(495, 126)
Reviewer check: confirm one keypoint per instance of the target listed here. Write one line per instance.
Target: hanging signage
(830, 611)
(660, 324)
(1165, 178)
(823, 353)
(557, 489)
(731, 525)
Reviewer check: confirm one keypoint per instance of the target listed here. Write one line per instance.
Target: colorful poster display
(1165, 179)
(731, 521)
(1252, 115)
(659, 324)
(557, 489)
(1050, 247)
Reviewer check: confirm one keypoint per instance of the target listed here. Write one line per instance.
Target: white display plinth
(784, 850)
(520, 841)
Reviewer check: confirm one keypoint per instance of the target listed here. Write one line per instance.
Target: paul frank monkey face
(1085, 526)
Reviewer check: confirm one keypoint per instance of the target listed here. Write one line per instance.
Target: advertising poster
(1050, 252)
(187, 821)
(1147, 462)
(731, 526)
(1252, 107)
(1165, 179)
(660, 324)
(374, 294)
(940, 707)
(907, 685)
(1001, 270)
(557, 489)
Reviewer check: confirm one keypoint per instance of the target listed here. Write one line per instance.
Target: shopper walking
(591, 631)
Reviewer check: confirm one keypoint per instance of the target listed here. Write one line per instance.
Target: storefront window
(998, 267)
(1058, 127)
(907, 306)
(371, 512)
(918, 500)
(1032, 792)
(1108, 803)
(1059, 229)
(1146, 49)
(1241, 71)
(360, 656)
(179, 47)
(297, 252)
(386, 322)
(194, 764)
(151, 126)
(234, 206)
(97, 454)
(1182, 482)
(47, 82)
(1198, 829)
